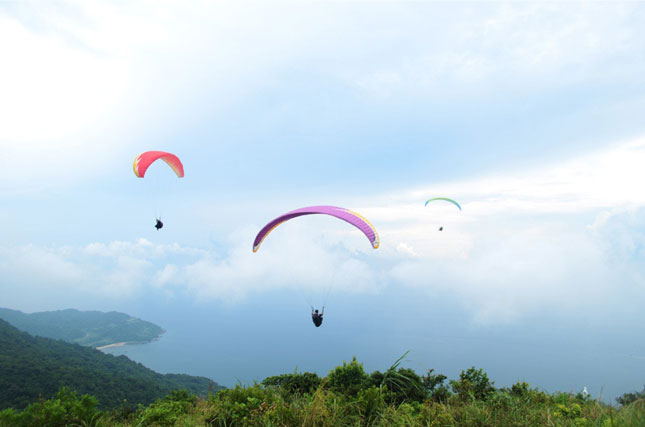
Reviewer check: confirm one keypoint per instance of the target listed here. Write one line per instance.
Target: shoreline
(116, 344)
(124, 343)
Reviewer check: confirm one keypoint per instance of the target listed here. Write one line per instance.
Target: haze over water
(217, 342)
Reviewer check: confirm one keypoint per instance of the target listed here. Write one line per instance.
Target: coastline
(116, 344)
(124, 343)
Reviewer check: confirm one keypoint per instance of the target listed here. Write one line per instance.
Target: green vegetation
(348, 396)
(629, 398)
(31, 367)
(87, 328)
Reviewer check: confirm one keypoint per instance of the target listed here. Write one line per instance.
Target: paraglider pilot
(159, 224)
(317, 317)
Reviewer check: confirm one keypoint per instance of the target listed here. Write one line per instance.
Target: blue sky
(529, 114)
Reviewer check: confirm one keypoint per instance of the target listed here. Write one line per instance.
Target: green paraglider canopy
(446, 199)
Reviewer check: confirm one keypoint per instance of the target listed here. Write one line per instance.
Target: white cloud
(558, 237)
(524, 272)
(46, 266)
(53, 108)
(120, 270)
(303, 257)
(85, 83)
(485, 48)
(50, 90)
(141, 247)
(565, 238)
(59, 275)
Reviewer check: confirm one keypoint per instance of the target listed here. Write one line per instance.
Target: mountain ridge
(87, 328)
(32, 367)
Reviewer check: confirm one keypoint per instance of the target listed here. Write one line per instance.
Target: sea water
(246, 341)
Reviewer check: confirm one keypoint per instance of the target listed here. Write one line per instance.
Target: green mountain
(33, 367)
(87, 328)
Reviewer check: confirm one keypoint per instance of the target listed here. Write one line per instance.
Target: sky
(527, 113)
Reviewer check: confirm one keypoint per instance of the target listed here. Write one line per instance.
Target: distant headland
(87, 328)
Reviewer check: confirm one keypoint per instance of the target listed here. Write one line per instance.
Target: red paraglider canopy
(144, 160)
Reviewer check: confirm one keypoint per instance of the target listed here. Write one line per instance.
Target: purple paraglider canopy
(346, 215)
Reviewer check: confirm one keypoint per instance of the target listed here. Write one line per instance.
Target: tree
(473, 384)
(434, 386)
(347, 379)
(65, 408)
(294, 383)
(628, 398)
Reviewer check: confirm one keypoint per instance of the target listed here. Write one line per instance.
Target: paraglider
(143, 161)
(317, 317)
(341, 213)
(446, 199)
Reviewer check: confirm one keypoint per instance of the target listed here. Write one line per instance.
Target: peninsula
(87, 328)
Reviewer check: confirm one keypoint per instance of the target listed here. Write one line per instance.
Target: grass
(259, 406)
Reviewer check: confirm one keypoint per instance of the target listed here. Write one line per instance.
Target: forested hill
(88, 328)
(31, 367)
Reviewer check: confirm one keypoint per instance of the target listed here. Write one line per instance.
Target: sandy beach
(117, 344)
(124, 343)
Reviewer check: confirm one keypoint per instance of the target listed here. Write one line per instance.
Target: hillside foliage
(31, 367)
(347, 396)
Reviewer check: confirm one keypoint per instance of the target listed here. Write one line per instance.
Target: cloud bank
(561, 238)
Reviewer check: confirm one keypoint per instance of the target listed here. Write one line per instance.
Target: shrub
(628, 398)
(347, 379)
(9, 417)
(473, 384)
(501, 400)
(435, 415)
(434, 386)
(523, 392)
(569, 412)
(403, 385)
(370, 404)
(65, 408)
(294, 383)
(240, 405)
(167, 411)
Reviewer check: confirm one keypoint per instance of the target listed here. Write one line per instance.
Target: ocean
(245, 342)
